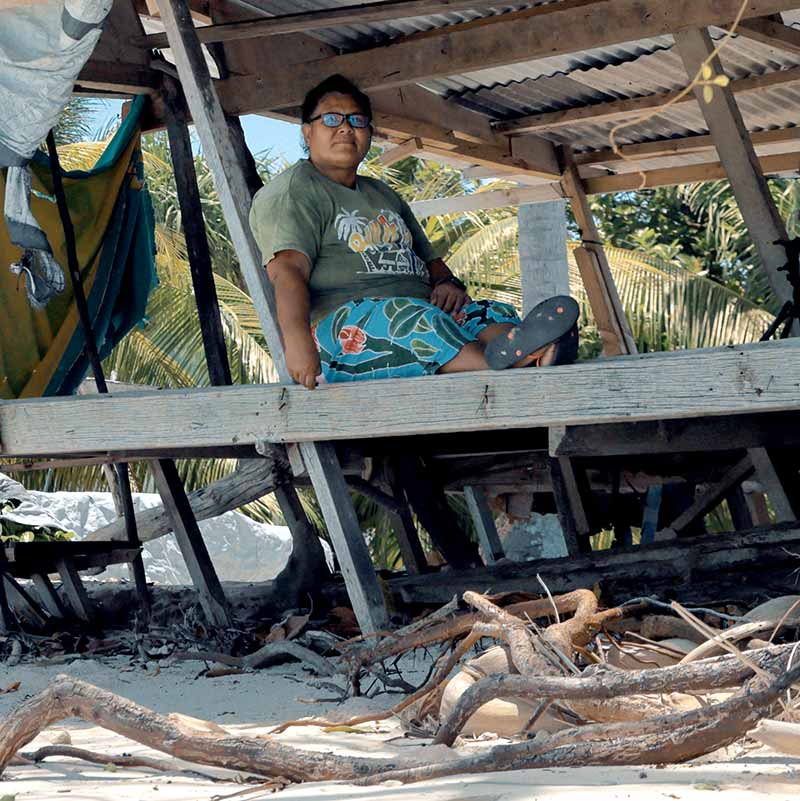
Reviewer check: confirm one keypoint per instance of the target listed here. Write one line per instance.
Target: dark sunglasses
(333, 119)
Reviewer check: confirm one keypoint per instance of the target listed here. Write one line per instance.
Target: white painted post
(543, 251)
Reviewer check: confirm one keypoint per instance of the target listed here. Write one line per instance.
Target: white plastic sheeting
(240, 548)
(42, 49)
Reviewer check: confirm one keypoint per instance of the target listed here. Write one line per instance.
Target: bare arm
(289, 272)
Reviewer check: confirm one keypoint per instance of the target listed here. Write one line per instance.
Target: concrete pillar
(543, 251)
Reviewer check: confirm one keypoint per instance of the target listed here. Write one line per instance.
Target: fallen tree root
(122, 761)
(601, 684)
(668, 739)
(175, 735)
(269, 654)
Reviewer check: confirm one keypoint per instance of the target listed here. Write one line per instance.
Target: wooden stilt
(190, 541)
(48, 596)
(609, 315)
(405, 529)
(740, 511)
(569, 505)
(429, 502)
(194, 231)
(483, 519)
(738, 157)
(234, 192)
(770, 480)
(74, 589)
(713, 495)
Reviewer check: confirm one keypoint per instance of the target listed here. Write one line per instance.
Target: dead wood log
(783, 736)
(269, 654)
(120, 761)
(667, 739)
(71, 698)
(252, 479)
(600, 682)
(664, 627)
(741, 631)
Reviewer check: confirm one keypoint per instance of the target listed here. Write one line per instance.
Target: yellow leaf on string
(706, 72)
(708, 94)
(722, 80)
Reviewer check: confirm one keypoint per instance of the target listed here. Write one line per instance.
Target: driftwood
(780, 735)
(666, 739)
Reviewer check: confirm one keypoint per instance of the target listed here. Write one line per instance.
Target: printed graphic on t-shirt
(384, 243)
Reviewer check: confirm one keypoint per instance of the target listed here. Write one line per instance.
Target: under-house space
(473, 432)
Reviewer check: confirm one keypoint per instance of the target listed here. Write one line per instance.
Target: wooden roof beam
(318, 20)
(554, 29)
(619, 109)
(771, 32)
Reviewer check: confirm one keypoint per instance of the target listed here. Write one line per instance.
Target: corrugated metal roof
(602, 74)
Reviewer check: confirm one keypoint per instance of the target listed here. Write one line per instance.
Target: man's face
(343, 147)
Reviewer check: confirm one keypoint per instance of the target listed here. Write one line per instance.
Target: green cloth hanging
(41, 350)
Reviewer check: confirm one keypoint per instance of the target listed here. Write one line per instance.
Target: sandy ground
(250, 703)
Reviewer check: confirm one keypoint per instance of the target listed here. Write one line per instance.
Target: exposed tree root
(175, 735)
(601, 683)
(670, 738)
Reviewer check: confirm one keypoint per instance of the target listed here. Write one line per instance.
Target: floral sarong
(399, 337)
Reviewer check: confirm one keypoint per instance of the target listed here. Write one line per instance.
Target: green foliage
(12, 531)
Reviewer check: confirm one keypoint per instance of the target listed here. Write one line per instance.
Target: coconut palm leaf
(668, 306)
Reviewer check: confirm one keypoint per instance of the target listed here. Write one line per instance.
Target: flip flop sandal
(550, 321)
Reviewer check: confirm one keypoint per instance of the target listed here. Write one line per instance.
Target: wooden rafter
(680, 146)
(629, 107)
(773, 33)
(319, 20)
(551, 32)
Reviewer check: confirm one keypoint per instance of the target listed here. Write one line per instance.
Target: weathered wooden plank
(680, 436)
(543, 32)
(738, 156)
(760, 377)
(48, 596)
(485, 527)
(74, 590)
(569, 502)
(771, 32)
(768, 477)
(190, 541)
(615, 331)
(711, 497)
(345, 532)
(660, 567)
(360, 14)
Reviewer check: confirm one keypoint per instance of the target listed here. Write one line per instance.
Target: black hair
(335, 84)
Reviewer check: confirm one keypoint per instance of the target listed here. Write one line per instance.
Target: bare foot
(541, 358)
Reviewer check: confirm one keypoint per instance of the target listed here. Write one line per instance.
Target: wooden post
(48, 596)
(405, 530)
(769, 479)
(74, 589)
(543, 264)
(615, 331)
(194, 231)
(738, 157)
(190, 541)
(483, 519)
(569, 505)
(235, 197)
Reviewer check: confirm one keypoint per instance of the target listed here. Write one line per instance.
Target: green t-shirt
(362, 243)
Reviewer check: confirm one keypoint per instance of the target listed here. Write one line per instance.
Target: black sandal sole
(548, 322)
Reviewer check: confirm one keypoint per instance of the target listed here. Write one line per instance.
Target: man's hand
(449, 298)
(302, 360)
